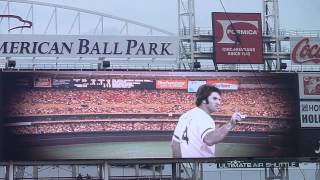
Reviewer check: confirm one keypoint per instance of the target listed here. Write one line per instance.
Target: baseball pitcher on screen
(195, 135)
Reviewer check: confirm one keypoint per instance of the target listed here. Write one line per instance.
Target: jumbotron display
(134, 115)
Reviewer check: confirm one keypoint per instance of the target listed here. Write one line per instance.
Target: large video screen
(133, 115)
(1, 128)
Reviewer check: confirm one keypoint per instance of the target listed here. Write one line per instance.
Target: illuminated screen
(1, 119)
(132, 115)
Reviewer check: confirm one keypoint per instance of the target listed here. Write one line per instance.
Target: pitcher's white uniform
(190, 131)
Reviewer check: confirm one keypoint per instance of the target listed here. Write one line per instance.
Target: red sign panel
(171, 84)
(237, 38)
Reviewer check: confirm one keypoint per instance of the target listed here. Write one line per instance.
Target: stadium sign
(194, 85)
(171, 84)
(309, 85)
(42, 82)
(310, 113)
(305, 50)
(251, 164)
(112, 83)
(88, 46)
(237, 38)
(227, 84)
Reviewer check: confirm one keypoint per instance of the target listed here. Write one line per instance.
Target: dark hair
(204, 92)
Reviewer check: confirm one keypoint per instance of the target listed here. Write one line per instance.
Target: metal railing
(204, 67)
(282, 32)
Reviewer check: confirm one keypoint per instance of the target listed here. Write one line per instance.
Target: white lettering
(226, 23)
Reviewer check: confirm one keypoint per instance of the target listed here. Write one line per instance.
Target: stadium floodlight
(196, 65)
(283, 66)
(11, 64)
(104, 65)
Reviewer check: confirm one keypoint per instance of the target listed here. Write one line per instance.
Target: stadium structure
(54, 103)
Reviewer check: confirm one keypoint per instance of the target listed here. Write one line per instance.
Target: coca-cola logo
(26, 23)
(304, 52)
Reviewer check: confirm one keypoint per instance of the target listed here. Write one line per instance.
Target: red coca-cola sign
(306, 50)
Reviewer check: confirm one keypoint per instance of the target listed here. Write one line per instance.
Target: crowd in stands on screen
(252, 102)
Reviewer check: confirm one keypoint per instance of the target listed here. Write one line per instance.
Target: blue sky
(294, 14)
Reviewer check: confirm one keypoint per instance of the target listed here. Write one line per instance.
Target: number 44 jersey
(190, 131)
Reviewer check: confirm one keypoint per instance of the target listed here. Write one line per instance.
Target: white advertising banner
(194, 85)
(225, 84)
(305, 50)
(310, 113)
(88, 46)
(309, 85)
